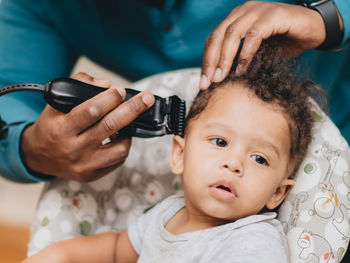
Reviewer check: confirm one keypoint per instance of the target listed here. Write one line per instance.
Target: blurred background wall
(18, 201)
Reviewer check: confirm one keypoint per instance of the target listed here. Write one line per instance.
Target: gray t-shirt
(257, 238)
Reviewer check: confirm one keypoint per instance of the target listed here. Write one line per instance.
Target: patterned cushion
(315, 214)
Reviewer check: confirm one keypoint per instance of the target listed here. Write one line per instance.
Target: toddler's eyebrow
(267, 144)
(257, 141)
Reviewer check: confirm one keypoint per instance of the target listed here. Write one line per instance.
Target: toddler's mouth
(223, 190)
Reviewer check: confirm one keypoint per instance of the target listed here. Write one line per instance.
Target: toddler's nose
(233, 166)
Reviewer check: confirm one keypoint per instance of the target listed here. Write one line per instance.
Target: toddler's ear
(281, 192)
(176, 155)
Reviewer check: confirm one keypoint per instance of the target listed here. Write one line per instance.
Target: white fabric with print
(315, 215)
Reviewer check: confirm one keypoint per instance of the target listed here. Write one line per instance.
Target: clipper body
(166, 116)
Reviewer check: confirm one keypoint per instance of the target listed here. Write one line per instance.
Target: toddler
(244, 141)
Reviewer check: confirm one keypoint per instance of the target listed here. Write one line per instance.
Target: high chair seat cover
(315, 215)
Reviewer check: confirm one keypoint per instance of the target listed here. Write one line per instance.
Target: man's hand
(255, 21)
(70, 145)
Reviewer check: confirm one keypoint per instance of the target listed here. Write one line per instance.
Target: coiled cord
(22, 87)
(13, 88)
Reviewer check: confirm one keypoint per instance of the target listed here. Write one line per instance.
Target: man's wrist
(25, 155)
(332, 21)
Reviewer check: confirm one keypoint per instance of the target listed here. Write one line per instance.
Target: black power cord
(4, 127)
(22, 87)
(12, 88)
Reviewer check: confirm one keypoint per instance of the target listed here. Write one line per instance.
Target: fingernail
(121, 91)
(204, 82)
(239, 69)
(147, 98)
(217, 76)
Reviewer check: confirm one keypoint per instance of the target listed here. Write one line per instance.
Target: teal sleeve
(31, 50)
(344, 10)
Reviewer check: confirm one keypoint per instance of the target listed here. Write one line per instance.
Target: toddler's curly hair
(270, 77)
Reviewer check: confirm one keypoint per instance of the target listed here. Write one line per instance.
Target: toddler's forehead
(229, 88)
(243, 104)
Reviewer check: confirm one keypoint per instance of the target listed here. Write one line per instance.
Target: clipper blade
(176, 115)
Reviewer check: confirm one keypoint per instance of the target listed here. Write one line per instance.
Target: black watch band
(328, 11)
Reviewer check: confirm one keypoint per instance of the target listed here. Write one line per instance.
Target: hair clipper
(166, 116)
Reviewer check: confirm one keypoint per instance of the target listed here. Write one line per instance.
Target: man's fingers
(261, 29)
(211, 57)
(89, 112)
(248, 27)
(99, 161)
(113, 153)
(82, 76)
(251, 44)
(215, 65)
(212, 48)
(119, 117)
(254, 21)
(231, 42)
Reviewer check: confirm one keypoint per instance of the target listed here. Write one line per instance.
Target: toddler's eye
(219, 142)
(259, 159)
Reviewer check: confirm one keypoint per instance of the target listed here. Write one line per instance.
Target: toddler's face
(234, 158)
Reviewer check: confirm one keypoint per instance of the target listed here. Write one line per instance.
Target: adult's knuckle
(243, 57)
(206, 63)
(92, 112)
(67, 153)
(253, 32)
(109, 124)
(243, 60)
(82, 173)
(55, 134)
(231, 29)
(72, 155)
(77, 169)
(123, 152)
(213, 36)
(116, 95)
(136, 106)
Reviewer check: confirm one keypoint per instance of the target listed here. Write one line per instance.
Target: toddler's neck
(184, 221)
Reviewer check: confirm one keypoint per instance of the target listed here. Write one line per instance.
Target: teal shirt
(41, 40)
